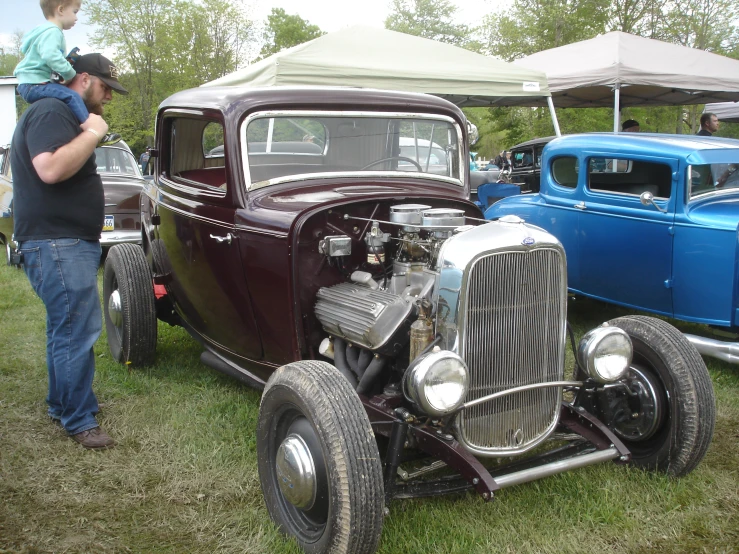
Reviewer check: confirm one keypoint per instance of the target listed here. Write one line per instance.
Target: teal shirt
(44, 51)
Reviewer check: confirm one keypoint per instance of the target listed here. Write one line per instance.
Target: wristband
(94, 132)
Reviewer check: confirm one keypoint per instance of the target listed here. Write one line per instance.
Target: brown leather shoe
(94, 438)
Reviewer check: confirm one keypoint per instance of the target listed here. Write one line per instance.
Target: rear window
(294, 147)
(565, 171)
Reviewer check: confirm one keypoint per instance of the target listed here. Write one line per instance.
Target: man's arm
(54, 167)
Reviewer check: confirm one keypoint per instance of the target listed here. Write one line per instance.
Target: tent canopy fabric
(368, 57)
(648, 72)
(725, 111)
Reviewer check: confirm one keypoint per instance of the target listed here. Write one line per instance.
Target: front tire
(128, 302)
(668, 416)
(318, 461)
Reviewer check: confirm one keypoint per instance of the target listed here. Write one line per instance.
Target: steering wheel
(399, 158)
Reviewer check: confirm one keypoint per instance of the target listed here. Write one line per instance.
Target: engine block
(373, 319)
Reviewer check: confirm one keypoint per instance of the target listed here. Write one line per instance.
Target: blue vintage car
(648, 221)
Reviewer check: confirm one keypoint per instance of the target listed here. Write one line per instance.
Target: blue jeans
(63, 272)
(30, 93)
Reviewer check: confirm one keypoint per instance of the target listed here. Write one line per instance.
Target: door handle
(220, 240)
(580, 206)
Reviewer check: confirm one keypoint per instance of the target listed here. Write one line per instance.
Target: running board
(213, 360)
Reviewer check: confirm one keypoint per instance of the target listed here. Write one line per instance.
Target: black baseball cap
(629, 123)
(102, 68)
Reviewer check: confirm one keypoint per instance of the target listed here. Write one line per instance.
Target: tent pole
(554, 116)
(616, 107)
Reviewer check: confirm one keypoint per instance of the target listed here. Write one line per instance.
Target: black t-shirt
(74, 208)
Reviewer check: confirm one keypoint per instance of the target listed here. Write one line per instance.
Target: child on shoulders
(44, 60)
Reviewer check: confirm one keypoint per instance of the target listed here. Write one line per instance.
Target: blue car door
(625, 247)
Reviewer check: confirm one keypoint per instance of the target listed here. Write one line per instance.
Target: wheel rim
(296, 472)
(642, 409)
(115, 309)
(299, 473)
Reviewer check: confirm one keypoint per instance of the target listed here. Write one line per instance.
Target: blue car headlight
(436, 382)
(605, 353)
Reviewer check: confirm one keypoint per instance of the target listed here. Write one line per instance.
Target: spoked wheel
(666, 413)
(318, 461)
(128, 301)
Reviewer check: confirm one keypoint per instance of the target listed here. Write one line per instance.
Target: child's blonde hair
(50, 6)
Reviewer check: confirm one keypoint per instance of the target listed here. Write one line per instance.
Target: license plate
(108, 223)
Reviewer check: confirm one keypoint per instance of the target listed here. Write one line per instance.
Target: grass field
(183, 477)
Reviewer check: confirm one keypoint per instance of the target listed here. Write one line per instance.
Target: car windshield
(291, 147)
(708, 178)
(110, 159)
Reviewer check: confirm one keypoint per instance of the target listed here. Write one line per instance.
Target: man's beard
(91, 105)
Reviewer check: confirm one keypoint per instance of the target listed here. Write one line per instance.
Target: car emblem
(528, 241)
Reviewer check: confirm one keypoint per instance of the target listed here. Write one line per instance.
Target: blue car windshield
(707, 178)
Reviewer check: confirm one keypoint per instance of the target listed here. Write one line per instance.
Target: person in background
(144, 160)
(43, 71)
(58, 216)
(499, 159)
(630, 126)
(709, 124)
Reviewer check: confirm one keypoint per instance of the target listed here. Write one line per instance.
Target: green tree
(535, 25)
(284, 31)
(432, 19)
(163, 46)
(10, 54)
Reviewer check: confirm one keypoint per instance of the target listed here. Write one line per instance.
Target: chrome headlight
(605, 353)
(436, 382)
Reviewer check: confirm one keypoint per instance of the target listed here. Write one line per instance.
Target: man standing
(59, 212)
(709, 124)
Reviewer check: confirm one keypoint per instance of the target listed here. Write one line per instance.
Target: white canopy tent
(725, 111)
(378, 58)
(618, 69)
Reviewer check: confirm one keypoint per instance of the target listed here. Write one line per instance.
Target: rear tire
(128, 303)
(331, 499)
(668, 424)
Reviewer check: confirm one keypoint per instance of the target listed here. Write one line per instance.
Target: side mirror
(647, 198)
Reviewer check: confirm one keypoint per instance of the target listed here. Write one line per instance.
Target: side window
(196, 154)
(522, 158)
(631, 177)
(565, 171)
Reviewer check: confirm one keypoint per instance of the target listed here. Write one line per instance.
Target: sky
(329, 15)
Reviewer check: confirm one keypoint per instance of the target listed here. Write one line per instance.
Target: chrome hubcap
(296, 472)
(114, 308)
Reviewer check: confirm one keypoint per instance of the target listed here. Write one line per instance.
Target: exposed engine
(369, 319)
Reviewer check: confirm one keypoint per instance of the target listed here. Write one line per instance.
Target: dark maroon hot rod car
(406, 347)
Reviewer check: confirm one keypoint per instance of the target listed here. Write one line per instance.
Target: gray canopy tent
(725, 111)
(378, 58)
(618, 69)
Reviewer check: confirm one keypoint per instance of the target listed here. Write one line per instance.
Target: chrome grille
(513, 335)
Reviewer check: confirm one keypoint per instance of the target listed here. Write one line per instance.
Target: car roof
(683, 145)
(532, 142)
(241, 99)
